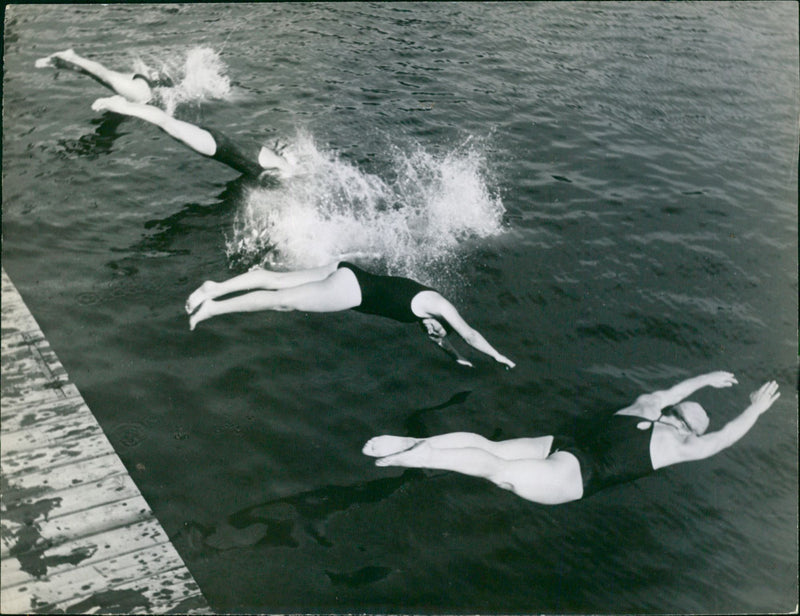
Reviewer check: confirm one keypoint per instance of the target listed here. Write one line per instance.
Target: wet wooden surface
(77, 536)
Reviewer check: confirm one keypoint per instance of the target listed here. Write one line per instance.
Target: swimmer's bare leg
(124, 84)
(536, 448)
(476, 462)
(198, 139)
(256, 279)
(339, 291)
(552, 481)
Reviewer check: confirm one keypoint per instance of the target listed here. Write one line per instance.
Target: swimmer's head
(161, 80)
(276, 162)
(694, 416)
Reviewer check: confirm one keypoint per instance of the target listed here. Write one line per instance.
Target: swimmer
(135, 87)
(335, 287)
(268, 163)
(657, 430)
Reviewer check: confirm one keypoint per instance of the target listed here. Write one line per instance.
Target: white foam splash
(197, 77)
(330, 210)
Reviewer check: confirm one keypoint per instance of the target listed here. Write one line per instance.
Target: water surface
(608, 191)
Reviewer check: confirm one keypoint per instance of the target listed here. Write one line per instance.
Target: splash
(198, 77)
(330, 210)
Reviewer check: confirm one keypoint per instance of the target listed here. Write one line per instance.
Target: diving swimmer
(658, 430)
(335, 287)
(135, 87)
(206, 141)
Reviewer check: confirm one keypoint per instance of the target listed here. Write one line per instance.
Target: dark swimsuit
(228, 153)
(162, 81)
(386, 296)
(612, 452)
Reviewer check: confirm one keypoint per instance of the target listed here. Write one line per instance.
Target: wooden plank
(42, 416)
(32, 459)
(15, 315)
(170, 592)
(31, 374)
(84, 471)
(77, 535)
(80, 521)
(44, 459)
(34, 430)
(85, 551)
(134, 565)
(122, 585)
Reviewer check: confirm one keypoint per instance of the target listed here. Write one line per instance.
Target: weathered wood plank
(31, 374)
(21, 504)
(170, 592)
(43, 416)
(86, 550)
(81, 441)
(36, 430)
(122, 586)
(83, 471)
(15, 314)
(129, 566)
(43, 459)
(85, 521)
(77, 535)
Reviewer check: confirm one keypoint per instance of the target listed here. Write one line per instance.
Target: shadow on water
(182, 222)
(176, 233)
(295, 520)
(98, 143)
(275, 523)
(414, 423)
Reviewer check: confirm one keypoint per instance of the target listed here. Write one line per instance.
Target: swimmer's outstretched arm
(200, 140)
(438, 306)
(124, 84)
(448, 348)
(706, 445)
(662, 399)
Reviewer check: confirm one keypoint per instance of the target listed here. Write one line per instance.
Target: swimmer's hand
(720, 379)
(506, 361)
(764, 397)
(464, 362)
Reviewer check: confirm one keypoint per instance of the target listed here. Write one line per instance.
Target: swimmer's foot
(201, 314)
(202, 293)
(60, 59)
(387, 445)
(416, 456)
(117, 104)
(44, 62)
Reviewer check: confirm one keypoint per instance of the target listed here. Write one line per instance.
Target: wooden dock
(77, 535)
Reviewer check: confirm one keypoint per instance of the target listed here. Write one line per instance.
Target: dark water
(607, 191)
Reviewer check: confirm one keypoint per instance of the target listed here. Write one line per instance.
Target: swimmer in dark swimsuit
(335, 287)
(135, 87)
(550, 470)
(265, 164)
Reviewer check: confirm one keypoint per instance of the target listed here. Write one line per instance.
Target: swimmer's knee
(505, 485)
